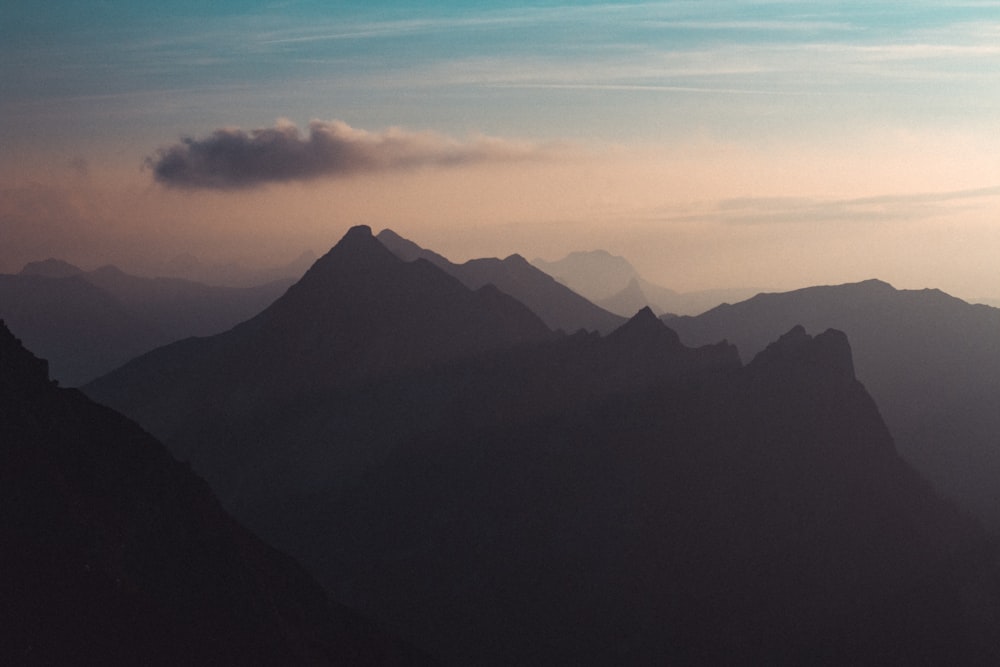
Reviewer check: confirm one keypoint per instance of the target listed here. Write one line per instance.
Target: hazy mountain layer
(501, 496)
(613, 283)
(557, 305)
(931, 361)
(116, 554)
(89, 322)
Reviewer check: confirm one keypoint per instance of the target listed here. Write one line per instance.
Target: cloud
(778, 210)
(233, 158)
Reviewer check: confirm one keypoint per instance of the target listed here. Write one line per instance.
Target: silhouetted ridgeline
(931, 361)
(115, 554)
(557, 305)
(497, 494)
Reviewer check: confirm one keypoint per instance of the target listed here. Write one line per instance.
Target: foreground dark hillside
(499, 495)
(931, 361)
(115, 554)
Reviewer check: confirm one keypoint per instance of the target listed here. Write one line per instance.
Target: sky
(714, 144)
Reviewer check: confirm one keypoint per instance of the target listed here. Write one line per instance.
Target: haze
(773, 144)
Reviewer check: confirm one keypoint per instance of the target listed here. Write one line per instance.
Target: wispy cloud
(233, 158)
(786, 210)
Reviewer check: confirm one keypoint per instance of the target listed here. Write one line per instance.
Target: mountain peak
(357, 232)
(797, 354)
(645, 328)
(357, 250)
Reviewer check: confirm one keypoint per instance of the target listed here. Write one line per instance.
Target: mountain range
(557, 305)
(931, 361)
(114, 553)
(496, 493)
(86, 323)
(614, 284)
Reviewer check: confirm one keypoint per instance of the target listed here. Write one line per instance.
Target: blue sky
(901, 97)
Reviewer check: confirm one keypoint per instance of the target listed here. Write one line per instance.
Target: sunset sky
(714, 144)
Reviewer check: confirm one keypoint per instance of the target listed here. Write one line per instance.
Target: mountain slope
(234, 404)
(569, 500)
(931, 361)
(557, 305)
(629, 500)
(114, 553)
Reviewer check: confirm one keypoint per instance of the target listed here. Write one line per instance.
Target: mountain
(114, 553)
(181, 308)
(629, 500)
(557, 305)
(930, 360)
(631, 299)
(596, 274)
(613, 283)
(51, 268)
(359, 315)
(90, 322)
(82, 329)
(496, 494)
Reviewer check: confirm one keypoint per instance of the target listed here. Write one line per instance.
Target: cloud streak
(782, 210)
(231, 159)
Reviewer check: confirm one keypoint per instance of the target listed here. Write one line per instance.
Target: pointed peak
(646, 327)
(358, 249)
(646, 314)
(516, 260)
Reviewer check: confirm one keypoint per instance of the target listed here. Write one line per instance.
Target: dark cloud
(233, 158)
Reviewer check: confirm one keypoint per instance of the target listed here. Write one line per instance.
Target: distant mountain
(116, 554)
(359, 315)
(631, 299)
(613, 283)
(557, 305)
(90, 322)
(234, 274)
(83, 330)
(596, 274)
(931, 361)
(51, 268)
(496, 494)
(181, 308)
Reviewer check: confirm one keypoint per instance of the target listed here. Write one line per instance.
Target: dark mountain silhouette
(930, 360)
(114, 553)
(613, 283)
(498, 495)
(631, 501)
(557, 305)
(359, 314)
(90, 322)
